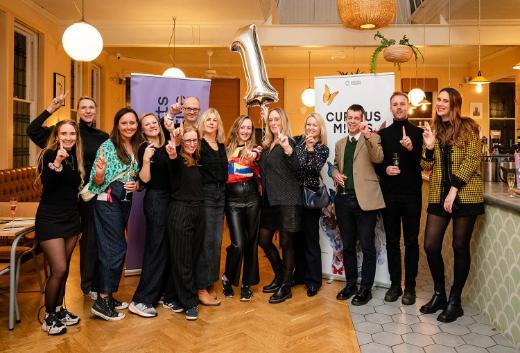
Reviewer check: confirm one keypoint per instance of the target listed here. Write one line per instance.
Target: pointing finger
(404, 133)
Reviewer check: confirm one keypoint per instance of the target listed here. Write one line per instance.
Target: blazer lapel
(342, 145)
(359, 145)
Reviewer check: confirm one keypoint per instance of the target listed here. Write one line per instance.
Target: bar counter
(494, 280)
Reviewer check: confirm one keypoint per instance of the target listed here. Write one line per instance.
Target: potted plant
(392, 52)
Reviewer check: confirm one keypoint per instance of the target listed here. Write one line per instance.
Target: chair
(27, 247)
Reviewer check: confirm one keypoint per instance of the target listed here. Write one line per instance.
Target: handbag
(316, 199)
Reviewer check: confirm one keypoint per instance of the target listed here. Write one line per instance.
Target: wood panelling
(225, 97)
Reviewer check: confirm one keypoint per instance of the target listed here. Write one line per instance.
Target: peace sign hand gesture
(170, 147)
(428, 136)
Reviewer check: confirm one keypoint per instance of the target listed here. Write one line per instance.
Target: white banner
(334, 94)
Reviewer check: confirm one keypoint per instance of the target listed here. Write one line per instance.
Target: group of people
(194, 177)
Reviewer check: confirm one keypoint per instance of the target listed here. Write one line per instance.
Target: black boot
(393, 293)
(454, 309)
(437, 302)
(408, 296)
(284, 291)
(275, 284)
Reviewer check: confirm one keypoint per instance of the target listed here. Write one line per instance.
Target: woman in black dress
(57, 224)
(282, 201)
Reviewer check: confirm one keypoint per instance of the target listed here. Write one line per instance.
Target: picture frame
(475, 110)
(59, 85)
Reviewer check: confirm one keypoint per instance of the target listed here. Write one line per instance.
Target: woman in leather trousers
(242, 209)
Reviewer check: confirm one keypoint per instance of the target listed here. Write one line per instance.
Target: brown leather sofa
(19, 183)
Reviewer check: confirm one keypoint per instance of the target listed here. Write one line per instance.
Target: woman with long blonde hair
(312, 152)
(57, 223)
(452, 152)
(242, 209)
(282, 201)
(213, 161)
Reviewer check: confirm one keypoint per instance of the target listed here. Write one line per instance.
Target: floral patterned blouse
(114, 167)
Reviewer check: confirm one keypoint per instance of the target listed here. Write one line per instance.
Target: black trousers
(308, 251)
(156, 248)
(243, 218)
(356, 224)
(407, 212)
(185, 234)
(88, 252)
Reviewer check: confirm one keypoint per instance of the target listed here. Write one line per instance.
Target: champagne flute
(511, 183)
(13, 202)
(128, 177)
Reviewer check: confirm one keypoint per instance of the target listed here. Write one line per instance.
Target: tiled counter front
(493, 285)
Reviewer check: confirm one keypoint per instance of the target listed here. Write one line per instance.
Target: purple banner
(149, 93)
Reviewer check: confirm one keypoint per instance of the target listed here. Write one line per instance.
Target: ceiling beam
(153, 35)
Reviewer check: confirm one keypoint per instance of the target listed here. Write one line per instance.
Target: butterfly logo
(327, 96)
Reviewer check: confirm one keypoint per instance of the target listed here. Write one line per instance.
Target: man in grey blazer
(357, 201)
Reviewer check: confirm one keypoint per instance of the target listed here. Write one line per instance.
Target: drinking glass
(395, 159)
(511, 183)
(13, 202)
(129, 176)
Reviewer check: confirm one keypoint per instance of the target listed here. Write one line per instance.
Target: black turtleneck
(408, 183)
(91, 138)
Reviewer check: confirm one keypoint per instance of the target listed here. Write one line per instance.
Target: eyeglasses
(191, 141)
(191, 110)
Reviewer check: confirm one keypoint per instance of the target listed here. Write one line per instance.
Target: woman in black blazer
(282, 201)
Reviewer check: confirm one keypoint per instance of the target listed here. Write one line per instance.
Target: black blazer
(279, 174)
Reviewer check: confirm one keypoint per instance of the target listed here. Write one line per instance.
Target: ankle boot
(275, 284)
(284, 291)
(437, 302)
(454, 308)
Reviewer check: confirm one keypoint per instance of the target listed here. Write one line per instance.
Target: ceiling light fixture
(366, 14)
(173, 71)
(82, 41)
(308, 94)
(479, 80)
(425, 102)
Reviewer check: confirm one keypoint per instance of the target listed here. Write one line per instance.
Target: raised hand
(264, 112)
(170, 147)
(310, 142)
(428, 136)
(365, 129)
(248, 155)
(57, 102)
(406, 142)
(149, 151)
(174, 109)
(101, 164)
(61, 154)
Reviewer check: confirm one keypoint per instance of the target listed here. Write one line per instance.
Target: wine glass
(511, 183)
(128, 177)
(13, 202)
(395, 159)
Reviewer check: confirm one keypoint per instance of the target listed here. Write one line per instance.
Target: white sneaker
(52, 325)
(142, 309)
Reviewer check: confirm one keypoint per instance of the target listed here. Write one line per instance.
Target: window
(76, 87)
(502, 114)
(24, 94)
(95, 84)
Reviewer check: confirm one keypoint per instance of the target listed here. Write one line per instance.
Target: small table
(21, 227)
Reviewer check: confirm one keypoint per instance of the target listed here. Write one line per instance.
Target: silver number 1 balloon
(259, 90)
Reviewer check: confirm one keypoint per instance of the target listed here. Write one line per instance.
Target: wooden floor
(302, 324)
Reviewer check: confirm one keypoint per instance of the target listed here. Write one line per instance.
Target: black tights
(286, 242)
(433, 238)
(58, 253)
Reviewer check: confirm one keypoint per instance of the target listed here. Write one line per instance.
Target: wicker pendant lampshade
(366, 14)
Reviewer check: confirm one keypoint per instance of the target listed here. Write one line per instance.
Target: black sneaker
(52, 325)
(118, 305)
(245, 294)
(66, 317)
(173, 306)
(103, 307)
(227, 288)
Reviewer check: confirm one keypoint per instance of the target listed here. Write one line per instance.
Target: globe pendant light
(173, 71)
(479, 80)
(308, 94)
(366, 14)
(82, 41)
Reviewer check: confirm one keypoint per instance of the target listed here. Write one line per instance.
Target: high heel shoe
(437, 302)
